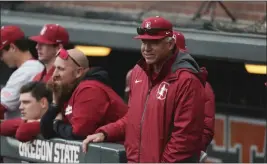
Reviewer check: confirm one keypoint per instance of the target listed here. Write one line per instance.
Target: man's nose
(55, 73)
(147, 47)
(21, 106)
(37, 46)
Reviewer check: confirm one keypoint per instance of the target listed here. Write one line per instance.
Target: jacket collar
(166, 68)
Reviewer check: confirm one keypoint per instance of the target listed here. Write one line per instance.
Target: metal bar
(227, 11)
(198, 13)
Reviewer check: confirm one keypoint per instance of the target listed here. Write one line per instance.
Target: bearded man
(83, 99)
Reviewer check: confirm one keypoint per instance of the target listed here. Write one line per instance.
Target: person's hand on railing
(98, 137)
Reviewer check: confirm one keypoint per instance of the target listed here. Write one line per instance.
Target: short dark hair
(22, 44)
(38, 90)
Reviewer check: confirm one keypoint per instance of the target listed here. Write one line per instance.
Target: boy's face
(32, 109)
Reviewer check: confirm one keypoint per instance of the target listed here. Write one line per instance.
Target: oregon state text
(50, 151)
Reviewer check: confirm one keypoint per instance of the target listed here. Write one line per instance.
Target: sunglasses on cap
(151, 31)
(63, 54)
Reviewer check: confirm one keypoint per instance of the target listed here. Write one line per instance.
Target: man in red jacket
(84, 97)
(34, 100)
(52, 37)
(209, 120)
(167, 99)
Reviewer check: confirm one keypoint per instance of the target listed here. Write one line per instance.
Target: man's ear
(172, 44)
(13, 47)
(79, 72)
(44, 103)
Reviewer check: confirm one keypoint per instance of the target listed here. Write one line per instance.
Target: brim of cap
(41, 39)
(150, 37)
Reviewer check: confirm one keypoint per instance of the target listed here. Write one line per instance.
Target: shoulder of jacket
(136, 70)
(89, 84)
(184, 75)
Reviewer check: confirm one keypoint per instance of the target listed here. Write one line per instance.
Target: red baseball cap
(10, 34)
(52, 34)
(180, 40)
(154, 28)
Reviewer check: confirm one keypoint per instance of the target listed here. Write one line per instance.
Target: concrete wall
(248, 11)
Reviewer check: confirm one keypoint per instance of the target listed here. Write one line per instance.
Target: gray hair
(168, 39)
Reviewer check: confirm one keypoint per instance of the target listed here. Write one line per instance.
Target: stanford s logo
(162, 91)
(148, 25)
(43, 30)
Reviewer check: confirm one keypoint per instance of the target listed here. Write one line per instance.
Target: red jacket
(44, 76)
(165, 119)
(209, 121)
(93, 104)
(23, 131)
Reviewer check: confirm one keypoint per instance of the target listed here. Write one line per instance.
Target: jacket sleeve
(9, 127)
(28, 131)
(88, 111)
(64, 130)
(47, 122)
(115, 131)
(55, 128)
(209, 120)
(186, 132)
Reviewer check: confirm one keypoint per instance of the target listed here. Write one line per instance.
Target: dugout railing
(59, 151)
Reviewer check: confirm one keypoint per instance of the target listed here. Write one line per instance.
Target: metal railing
(59, 151)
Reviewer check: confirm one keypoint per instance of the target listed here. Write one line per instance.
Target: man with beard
(84, 94)
(166, 102)
(34, 100)
(52, 37)
(14, 52)
(209, 121)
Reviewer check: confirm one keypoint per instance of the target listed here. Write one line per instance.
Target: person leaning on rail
(34, 100)
(166, 102)
(83, 98)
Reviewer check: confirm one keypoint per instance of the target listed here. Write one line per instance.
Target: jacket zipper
(141, 124)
